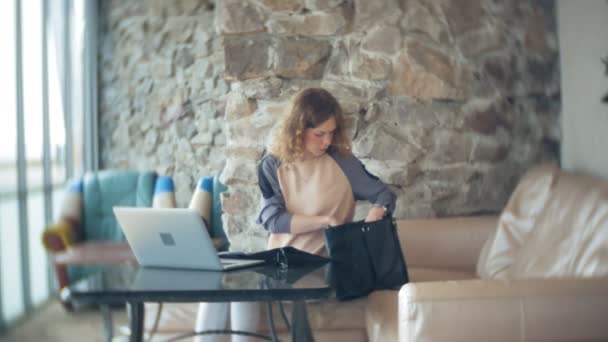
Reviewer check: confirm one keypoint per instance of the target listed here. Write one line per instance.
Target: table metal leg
(273, 332)
(300, 328)
(135, 312)
(108, 327)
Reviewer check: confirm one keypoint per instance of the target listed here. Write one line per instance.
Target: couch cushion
(448, 243)
(382, 311)
(571, 235)
(106, 189)
(100, 192)
(499, 310)
(555, 224)
(420, 274)
(381, 316)
(516, 222)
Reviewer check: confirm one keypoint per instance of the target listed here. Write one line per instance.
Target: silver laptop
(172, 237)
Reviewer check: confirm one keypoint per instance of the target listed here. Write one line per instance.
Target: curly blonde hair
(308, 109)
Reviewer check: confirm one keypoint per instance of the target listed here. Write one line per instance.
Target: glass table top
(133, 283)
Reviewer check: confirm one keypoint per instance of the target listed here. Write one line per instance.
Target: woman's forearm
(304, 224)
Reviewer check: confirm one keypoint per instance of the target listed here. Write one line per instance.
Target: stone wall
(161, 97)
(448, 101)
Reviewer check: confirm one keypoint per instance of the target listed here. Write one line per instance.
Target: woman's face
(318, 139)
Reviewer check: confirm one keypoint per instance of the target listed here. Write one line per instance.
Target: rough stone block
(311, 24)
(247, 57)
(239, 171)
(238, 17)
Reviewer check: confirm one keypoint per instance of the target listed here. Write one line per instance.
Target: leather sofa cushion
(571, 235)
(555, 224)
(421, 274)
(381, 316)
(516, 222)
(448, 243)
(504, 310)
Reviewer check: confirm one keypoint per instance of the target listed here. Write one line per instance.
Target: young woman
(309, 182)
(311, 179)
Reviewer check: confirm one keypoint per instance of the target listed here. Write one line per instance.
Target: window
(42, 73)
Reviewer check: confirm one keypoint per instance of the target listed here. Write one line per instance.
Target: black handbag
(365, 256)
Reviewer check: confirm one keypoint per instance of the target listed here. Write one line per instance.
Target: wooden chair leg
(61, 272)
(67, 305)
(62, 278)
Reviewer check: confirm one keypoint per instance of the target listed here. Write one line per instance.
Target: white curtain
(72, 30)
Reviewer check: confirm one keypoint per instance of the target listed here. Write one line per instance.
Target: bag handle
(364, 231)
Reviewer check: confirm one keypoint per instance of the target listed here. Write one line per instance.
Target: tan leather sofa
(537, 272)
(543, 272)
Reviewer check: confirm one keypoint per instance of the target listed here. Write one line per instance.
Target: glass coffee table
(133, 285)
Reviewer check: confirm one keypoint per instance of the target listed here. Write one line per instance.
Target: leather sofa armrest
(57, 237)
(504, 310)
(445, 243)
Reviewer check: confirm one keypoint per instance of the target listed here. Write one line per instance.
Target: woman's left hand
(375, 214)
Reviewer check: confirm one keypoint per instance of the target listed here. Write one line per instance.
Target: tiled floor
(51, 323)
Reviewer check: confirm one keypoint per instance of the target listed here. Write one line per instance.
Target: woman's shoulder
(343, 157)
(352, 166)
(269, 162)
(267, 174)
